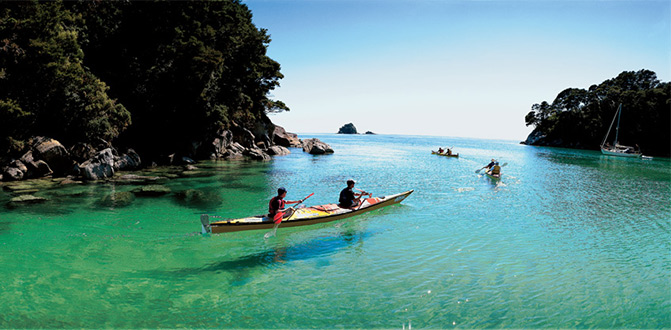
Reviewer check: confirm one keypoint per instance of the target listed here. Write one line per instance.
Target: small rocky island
(348, 129)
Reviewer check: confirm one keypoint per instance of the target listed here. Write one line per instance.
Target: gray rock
(151, 190)
(53, 153)
(284, 138)
(136, 179)
(26, 199)
(99, 167)
(15, 171)
(256, 154)
(117, 199)
(278, 151)
(128, 161)
(316, 147)
(347, 129)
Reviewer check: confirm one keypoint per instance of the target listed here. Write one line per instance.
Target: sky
(450, 68)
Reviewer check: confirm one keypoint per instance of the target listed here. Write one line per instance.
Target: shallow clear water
(567, 238)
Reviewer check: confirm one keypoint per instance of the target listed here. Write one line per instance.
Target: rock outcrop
(285, 139)
(316, 147)
(347, 129)
(100, 160)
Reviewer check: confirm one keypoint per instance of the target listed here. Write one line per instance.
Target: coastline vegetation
(157, 76)
(580, 118)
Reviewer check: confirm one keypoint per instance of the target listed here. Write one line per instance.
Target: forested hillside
(157, 76)
(580, 118)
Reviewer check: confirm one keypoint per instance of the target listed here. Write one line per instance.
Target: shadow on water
(241, 268)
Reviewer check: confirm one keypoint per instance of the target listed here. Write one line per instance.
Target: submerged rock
(152, 190)
(198, 199)
(25, 199)
(117, 199)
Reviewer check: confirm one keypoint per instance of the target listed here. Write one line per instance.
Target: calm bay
(566, 239)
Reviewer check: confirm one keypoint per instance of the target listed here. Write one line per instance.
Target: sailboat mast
(617, 128)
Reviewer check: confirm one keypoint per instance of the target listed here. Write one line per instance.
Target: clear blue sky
(450, 68)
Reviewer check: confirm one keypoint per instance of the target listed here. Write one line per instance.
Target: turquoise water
(567, 239)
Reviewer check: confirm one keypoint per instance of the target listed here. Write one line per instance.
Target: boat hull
(446, 155)
(301, 217)
(611, 152)
(493, 177)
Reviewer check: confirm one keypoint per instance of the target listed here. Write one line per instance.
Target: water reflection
(241, 268)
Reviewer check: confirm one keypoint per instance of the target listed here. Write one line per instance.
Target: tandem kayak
(300, 217)
(446, 155)
(493, 176)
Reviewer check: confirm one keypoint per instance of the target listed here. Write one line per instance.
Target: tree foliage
(45, 89)
(581, 118)
(78, 71)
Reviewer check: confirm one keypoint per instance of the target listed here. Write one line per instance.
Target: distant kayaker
(495, 170)
(490, 165)
(440, 150)
(277, 203)
(350, 199)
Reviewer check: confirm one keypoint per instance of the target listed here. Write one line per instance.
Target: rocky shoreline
(48, 158)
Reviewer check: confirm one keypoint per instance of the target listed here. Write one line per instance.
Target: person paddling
(277, 203)
(348, 198)
(490, 165)
(495, 170)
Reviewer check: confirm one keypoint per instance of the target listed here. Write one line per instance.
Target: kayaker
(348, 198)
(440, 150)
(277, 203)
(490, 165)
(495, 171)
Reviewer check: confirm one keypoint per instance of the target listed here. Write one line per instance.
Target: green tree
(44, 85)
(185, 69)
(580, 118)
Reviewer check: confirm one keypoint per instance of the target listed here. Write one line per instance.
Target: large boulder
(347, 129)
(284, 138)
(278, 151)
(35, 168)
(234, 151)
(256, 154)
(54, 154)
(215, 147)
(99, 167)
(316, 147)
(14, 171)
(128, 161)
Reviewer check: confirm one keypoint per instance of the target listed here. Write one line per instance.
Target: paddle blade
(278, 217)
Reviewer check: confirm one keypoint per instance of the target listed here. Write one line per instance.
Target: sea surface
(566, 239)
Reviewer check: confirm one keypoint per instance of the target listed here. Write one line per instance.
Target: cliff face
(539, 138)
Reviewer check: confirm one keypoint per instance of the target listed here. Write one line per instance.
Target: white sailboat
(616, 149)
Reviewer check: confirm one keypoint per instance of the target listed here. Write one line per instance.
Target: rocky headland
(48, 158)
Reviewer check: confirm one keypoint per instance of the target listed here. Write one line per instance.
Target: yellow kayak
(300, 217)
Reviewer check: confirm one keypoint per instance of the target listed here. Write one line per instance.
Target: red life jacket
(271, 209)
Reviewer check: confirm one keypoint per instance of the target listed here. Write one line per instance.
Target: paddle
(363, 193)
(279, 215)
